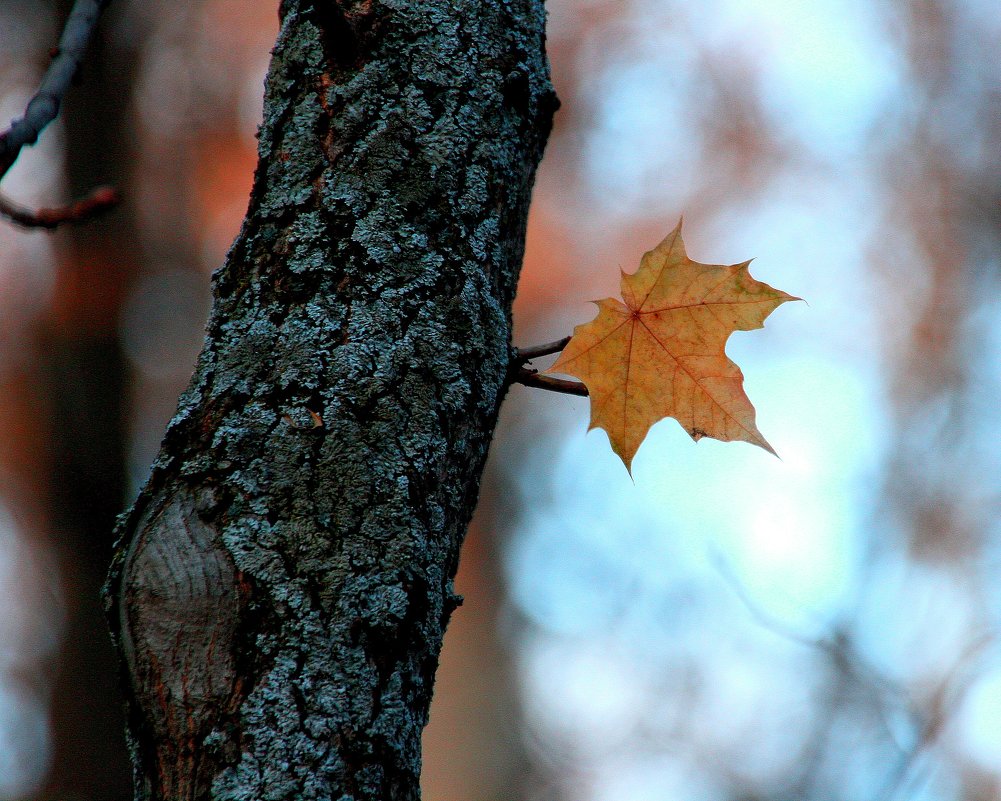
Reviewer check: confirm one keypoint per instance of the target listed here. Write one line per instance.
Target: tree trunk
(283, 582)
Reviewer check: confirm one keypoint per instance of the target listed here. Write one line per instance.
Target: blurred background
(725, 626)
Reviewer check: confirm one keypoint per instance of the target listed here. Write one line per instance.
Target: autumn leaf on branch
(661, 353)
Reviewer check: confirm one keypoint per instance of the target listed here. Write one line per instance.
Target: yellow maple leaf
(662, 352)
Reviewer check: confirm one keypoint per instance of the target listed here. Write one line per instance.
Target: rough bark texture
(283, 582)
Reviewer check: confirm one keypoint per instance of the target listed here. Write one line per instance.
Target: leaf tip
(675, 235)
(624, 450)
(628, 463)
(764, 445)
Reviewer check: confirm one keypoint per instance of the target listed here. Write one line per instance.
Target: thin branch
(765, 620)
(527, 354)
(44, 106)
(945, 701)
(42, 109)
(100, 200)
(531, 378)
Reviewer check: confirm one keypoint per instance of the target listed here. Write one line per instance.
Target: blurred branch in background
(101, 199)
(43, 108)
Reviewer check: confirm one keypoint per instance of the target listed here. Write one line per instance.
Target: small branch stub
(538, 351)
(530, 377)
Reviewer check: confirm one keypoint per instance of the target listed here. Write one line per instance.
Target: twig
(97, 202)
(527, 354)
(945, 701)
(531, 378)
(43, 108)
(765, 620)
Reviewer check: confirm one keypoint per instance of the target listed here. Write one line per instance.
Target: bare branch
(100, 200)
(527, 354)
(42, 109)
(531, 378)
(44, 106)
(765, 620)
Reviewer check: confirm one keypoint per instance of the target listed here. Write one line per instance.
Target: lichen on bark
(325, 460)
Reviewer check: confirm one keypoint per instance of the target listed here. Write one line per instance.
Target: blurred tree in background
(834, 637)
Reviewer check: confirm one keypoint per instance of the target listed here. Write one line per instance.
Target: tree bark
(282, 584)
